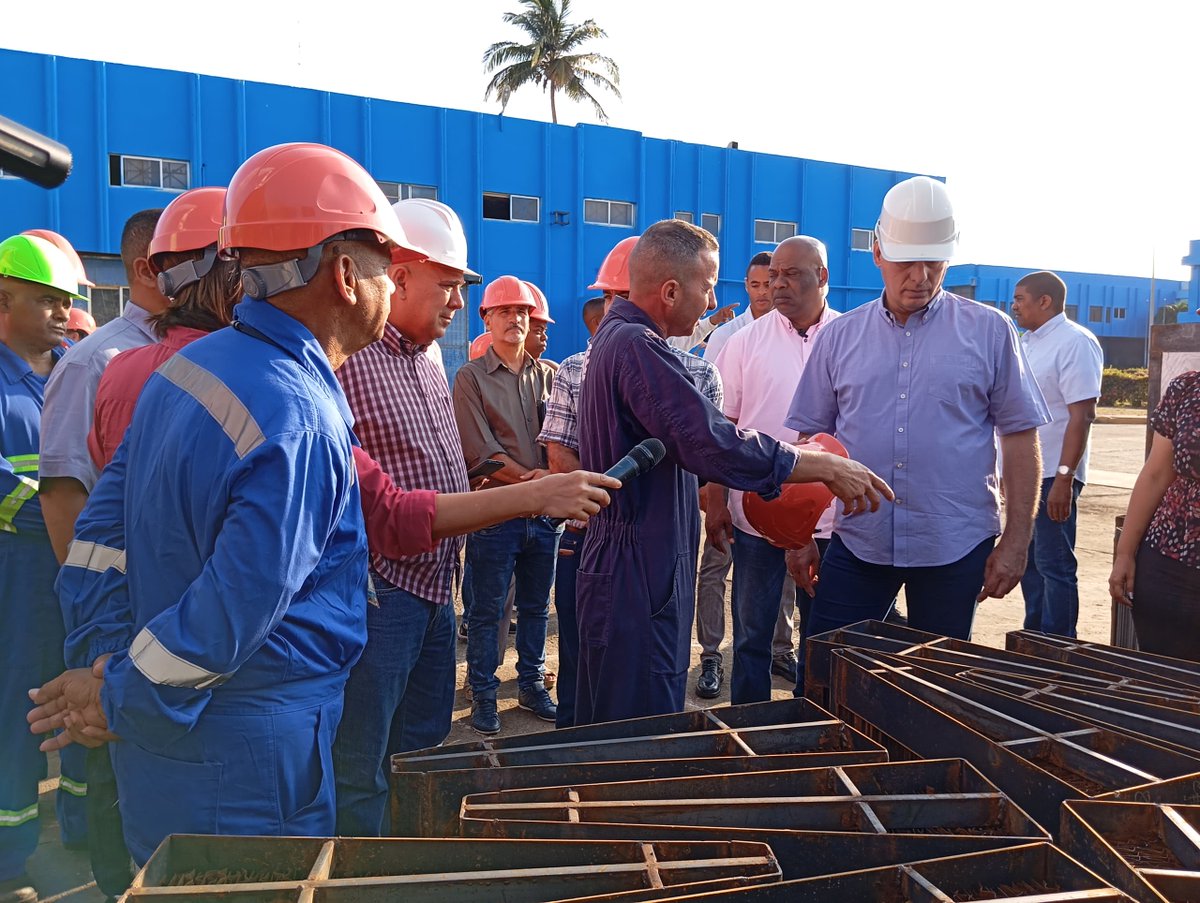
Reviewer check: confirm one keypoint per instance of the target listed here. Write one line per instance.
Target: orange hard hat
(190, 222)
(541, 307)
(65, 246)
(506, 291)
(80, 319)
(294, 196)
(480, 345)
(789, 521)
(614, 272)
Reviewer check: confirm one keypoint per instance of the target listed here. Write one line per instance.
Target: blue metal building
(541, 201)
(1115, 308)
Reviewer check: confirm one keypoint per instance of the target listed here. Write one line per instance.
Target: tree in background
(551, 59)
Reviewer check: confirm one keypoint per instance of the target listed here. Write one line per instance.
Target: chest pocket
(954, 378)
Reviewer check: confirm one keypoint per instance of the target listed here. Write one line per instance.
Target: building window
(402, 191)
(685, 216)
(1073, 312)
(965, 291)
(107, 302)
(1095, 314)
(149, 172)
(515, 207)
(773, 231)
(608, 213)
(711, 222)
(862, 239)
(1118, 313)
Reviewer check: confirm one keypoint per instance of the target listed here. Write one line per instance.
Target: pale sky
(1067, 130)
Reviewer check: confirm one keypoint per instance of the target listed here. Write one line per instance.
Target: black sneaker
(535, 699)
(708, 685)
(785, 666)
(484, 717)
(462, 630)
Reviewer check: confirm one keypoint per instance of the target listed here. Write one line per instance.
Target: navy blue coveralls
(31, 627)
(222, 559)
(637, 570)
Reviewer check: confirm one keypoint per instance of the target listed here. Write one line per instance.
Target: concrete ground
(1117, 453)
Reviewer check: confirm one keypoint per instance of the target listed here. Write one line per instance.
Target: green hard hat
(35, 260)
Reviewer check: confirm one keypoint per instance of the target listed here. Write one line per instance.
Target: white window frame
(870, 233)
(685, 216)
(717, 217)
(404, 190)
(159, 161)
(608, 210)
(1119, 313)
(512, 219)
(775, 224)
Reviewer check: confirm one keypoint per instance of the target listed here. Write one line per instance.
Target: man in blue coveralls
(221, 560)
(37, 285)
(637, 568)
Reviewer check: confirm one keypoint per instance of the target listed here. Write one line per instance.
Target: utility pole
(1150, 318)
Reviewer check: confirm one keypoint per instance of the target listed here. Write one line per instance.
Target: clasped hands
(70, 704)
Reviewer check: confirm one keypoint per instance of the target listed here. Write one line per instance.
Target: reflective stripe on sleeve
(216, 398)
(94, 557)
(24, 463)
(11, 503)
(162, 666)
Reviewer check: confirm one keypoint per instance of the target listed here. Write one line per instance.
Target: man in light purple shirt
(918, 385)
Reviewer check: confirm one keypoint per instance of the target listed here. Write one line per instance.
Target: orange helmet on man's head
(296, 196)
(506, 291)
(80, 320)
(541, 307)
(789, 520)
(191, 222)
(614, 272)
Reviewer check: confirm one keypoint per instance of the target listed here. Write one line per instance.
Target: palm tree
(550, 59)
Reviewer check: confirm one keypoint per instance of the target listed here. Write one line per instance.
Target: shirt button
(900, 464)
(899, 501)
(900, 430)
(904, 364)
(902, 395)
(909, 332)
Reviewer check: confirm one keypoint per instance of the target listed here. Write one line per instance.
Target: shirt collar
(295, 339)
(139, 317)
(827, 314)
(179, 337)
(492, 362)
(15, 368)
(398, 343)
(929, 310)
(1046, 328)
(631, 313)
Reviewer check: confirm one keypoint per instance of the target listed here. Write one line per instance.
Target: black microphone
(641, 458)
(33, 156)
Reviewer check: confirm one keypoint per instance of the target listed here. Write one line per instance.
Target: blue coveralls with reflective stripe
(636, 584)
(222, 559)
(31, 628)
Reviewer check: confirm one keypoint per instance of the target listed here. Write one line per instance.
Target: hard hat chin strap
(269, 279)
(171, 281)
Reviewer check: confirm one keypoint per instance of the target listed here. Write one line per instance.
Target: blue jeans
(568, 626)
(940, 599)
(527, 548)
(1049, 585)
(758, 573)
(400, 697)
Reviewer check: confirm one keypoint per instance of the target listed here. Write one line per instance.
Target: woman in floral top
(1156, 568)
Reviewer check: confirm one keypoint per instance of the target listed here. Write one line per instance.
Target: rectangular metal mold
(1151, 851)
(815, 820)
(1037, 756)
(428, 785)
(323, 870)
(1135, 663)
(1035, 873)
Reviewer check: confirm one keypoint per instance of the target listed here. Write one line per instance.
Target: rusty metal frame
(1027, 873)
(1176, 672)
(1037, 756)
(332, 870)
(1150, 851)
(428, 786)
(815, 820)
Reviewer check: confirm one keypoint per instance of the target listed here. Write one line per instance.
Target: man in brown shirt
(499, 403)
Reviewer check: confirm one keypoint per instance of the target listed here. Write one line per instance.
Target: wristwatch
(1064, 471)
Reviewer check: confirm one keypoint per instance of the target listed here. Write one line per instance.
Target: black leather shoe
(708, 685)
(785, 666)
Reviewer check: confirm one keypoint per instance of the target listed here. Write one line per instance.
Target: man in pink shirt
(761, 366)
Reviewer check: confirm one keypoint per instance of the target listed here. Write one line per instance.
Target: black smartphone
(484, 468)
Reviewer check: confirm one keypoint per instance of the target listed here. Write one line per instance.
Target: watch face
(1063, 470)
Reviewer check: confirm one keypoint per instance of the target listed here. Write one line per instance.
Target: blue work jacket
(222, 555)
(21, 394)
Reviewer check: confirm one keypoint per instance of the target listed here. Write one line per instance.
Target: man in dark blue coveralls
(637, 569)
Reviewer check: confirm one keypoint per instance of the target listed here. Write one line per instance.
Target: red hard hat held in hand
(789, 521)
(480, 344)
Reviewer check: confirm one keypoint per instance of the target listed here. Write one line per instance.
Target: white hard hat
(917, 222)
(436, 228)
